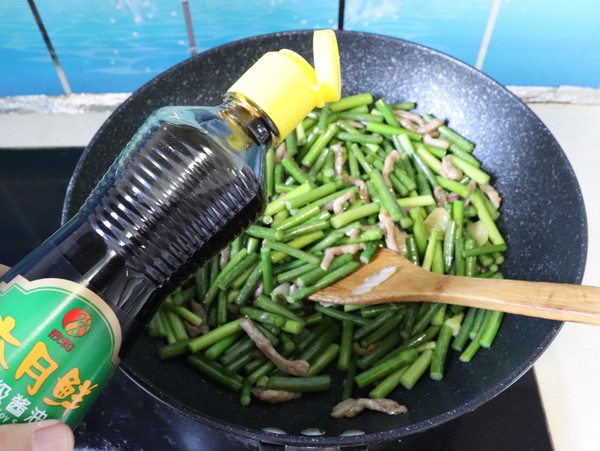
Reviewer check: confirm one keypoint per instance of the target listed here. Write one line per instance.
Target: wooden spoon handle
(562, 302)
(410, 283)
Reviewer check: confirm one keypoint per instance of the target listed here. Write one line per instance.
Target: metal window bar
(59, 70)
(341, 12)
(188, 25)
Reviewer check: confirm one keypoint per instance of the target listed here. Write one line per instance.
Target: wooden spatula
(410, 283)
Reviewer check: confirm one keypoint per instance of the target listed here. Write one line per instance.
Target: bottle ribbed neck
(251, 118)
(178, 196)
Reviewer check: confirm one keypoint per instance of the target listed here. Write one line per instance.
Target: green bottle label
(59, 344)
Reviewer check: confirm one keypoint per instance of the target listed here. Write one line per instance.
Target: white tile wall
(568, 372)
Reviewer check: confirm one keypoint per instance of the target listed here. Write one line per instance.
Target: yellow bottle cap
(286, 87)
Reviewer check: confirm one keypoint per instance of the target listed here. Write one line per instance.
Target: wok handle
(263, 446)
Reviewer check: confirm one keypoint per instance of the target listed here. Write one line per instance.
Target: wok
(543, 222)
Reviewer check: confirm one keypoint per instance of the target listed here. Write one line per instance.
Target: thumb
(48, 435)
(3, 269)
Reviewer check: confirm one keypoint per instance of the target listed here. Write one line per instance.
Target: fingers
(48, 435)
(56, 437)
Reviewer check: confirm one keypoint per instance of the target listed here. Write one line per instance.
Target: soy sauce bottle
(188, 182)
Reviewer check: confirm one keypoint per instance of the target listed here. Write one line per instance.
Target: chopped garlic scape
(455, 323)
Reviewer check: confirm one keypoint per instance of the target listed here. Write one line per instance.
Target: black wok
(543, 222)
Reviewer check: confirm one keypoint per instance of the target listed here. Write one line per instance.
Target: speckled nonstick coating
(543, 221)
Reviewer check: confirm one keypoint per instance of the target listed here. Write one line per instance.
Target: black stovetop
(32, 189)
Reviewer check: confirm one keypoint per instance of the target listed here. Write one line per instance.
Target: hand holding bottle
(186, 184)
(48, 435)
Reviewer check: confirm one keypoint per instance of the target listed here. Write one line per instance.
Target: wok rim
(367, 438)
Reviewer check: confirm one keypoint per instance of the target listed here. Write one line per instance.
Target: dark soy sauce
(175, 202)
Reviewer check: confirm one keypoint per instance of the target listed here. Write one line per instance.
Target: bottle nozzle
(286, 87)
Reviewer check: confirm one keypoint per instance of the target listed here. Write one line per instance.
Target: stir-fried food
(354, 177)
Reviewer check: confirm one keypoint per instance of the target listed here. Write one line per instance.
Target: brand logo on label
(77, 322)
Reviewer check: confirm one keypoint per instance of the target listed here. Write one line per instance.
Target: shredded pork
(332, 252)
(281, 152)
(431, 141)
(369, 227)
(471, 185)
(224, 257)
(293, 367)
(449, 171)
(338, 204)
(388, 167)
(431, 126)
(355, 124)
(409, 120)
(359, 350)
(198, 309)
(395, 240)
(441, 198)
(409, 125)
(274, 396)
(351, 407)
(338, 151)
(259, 290)
(492, 195)
(452, 197)
(353, 233)
(363, 192)
(191, 330)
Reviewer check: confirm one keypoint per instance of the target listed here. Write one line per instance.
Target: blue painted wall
(118, 45)
(453, 27)
(545, 43)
